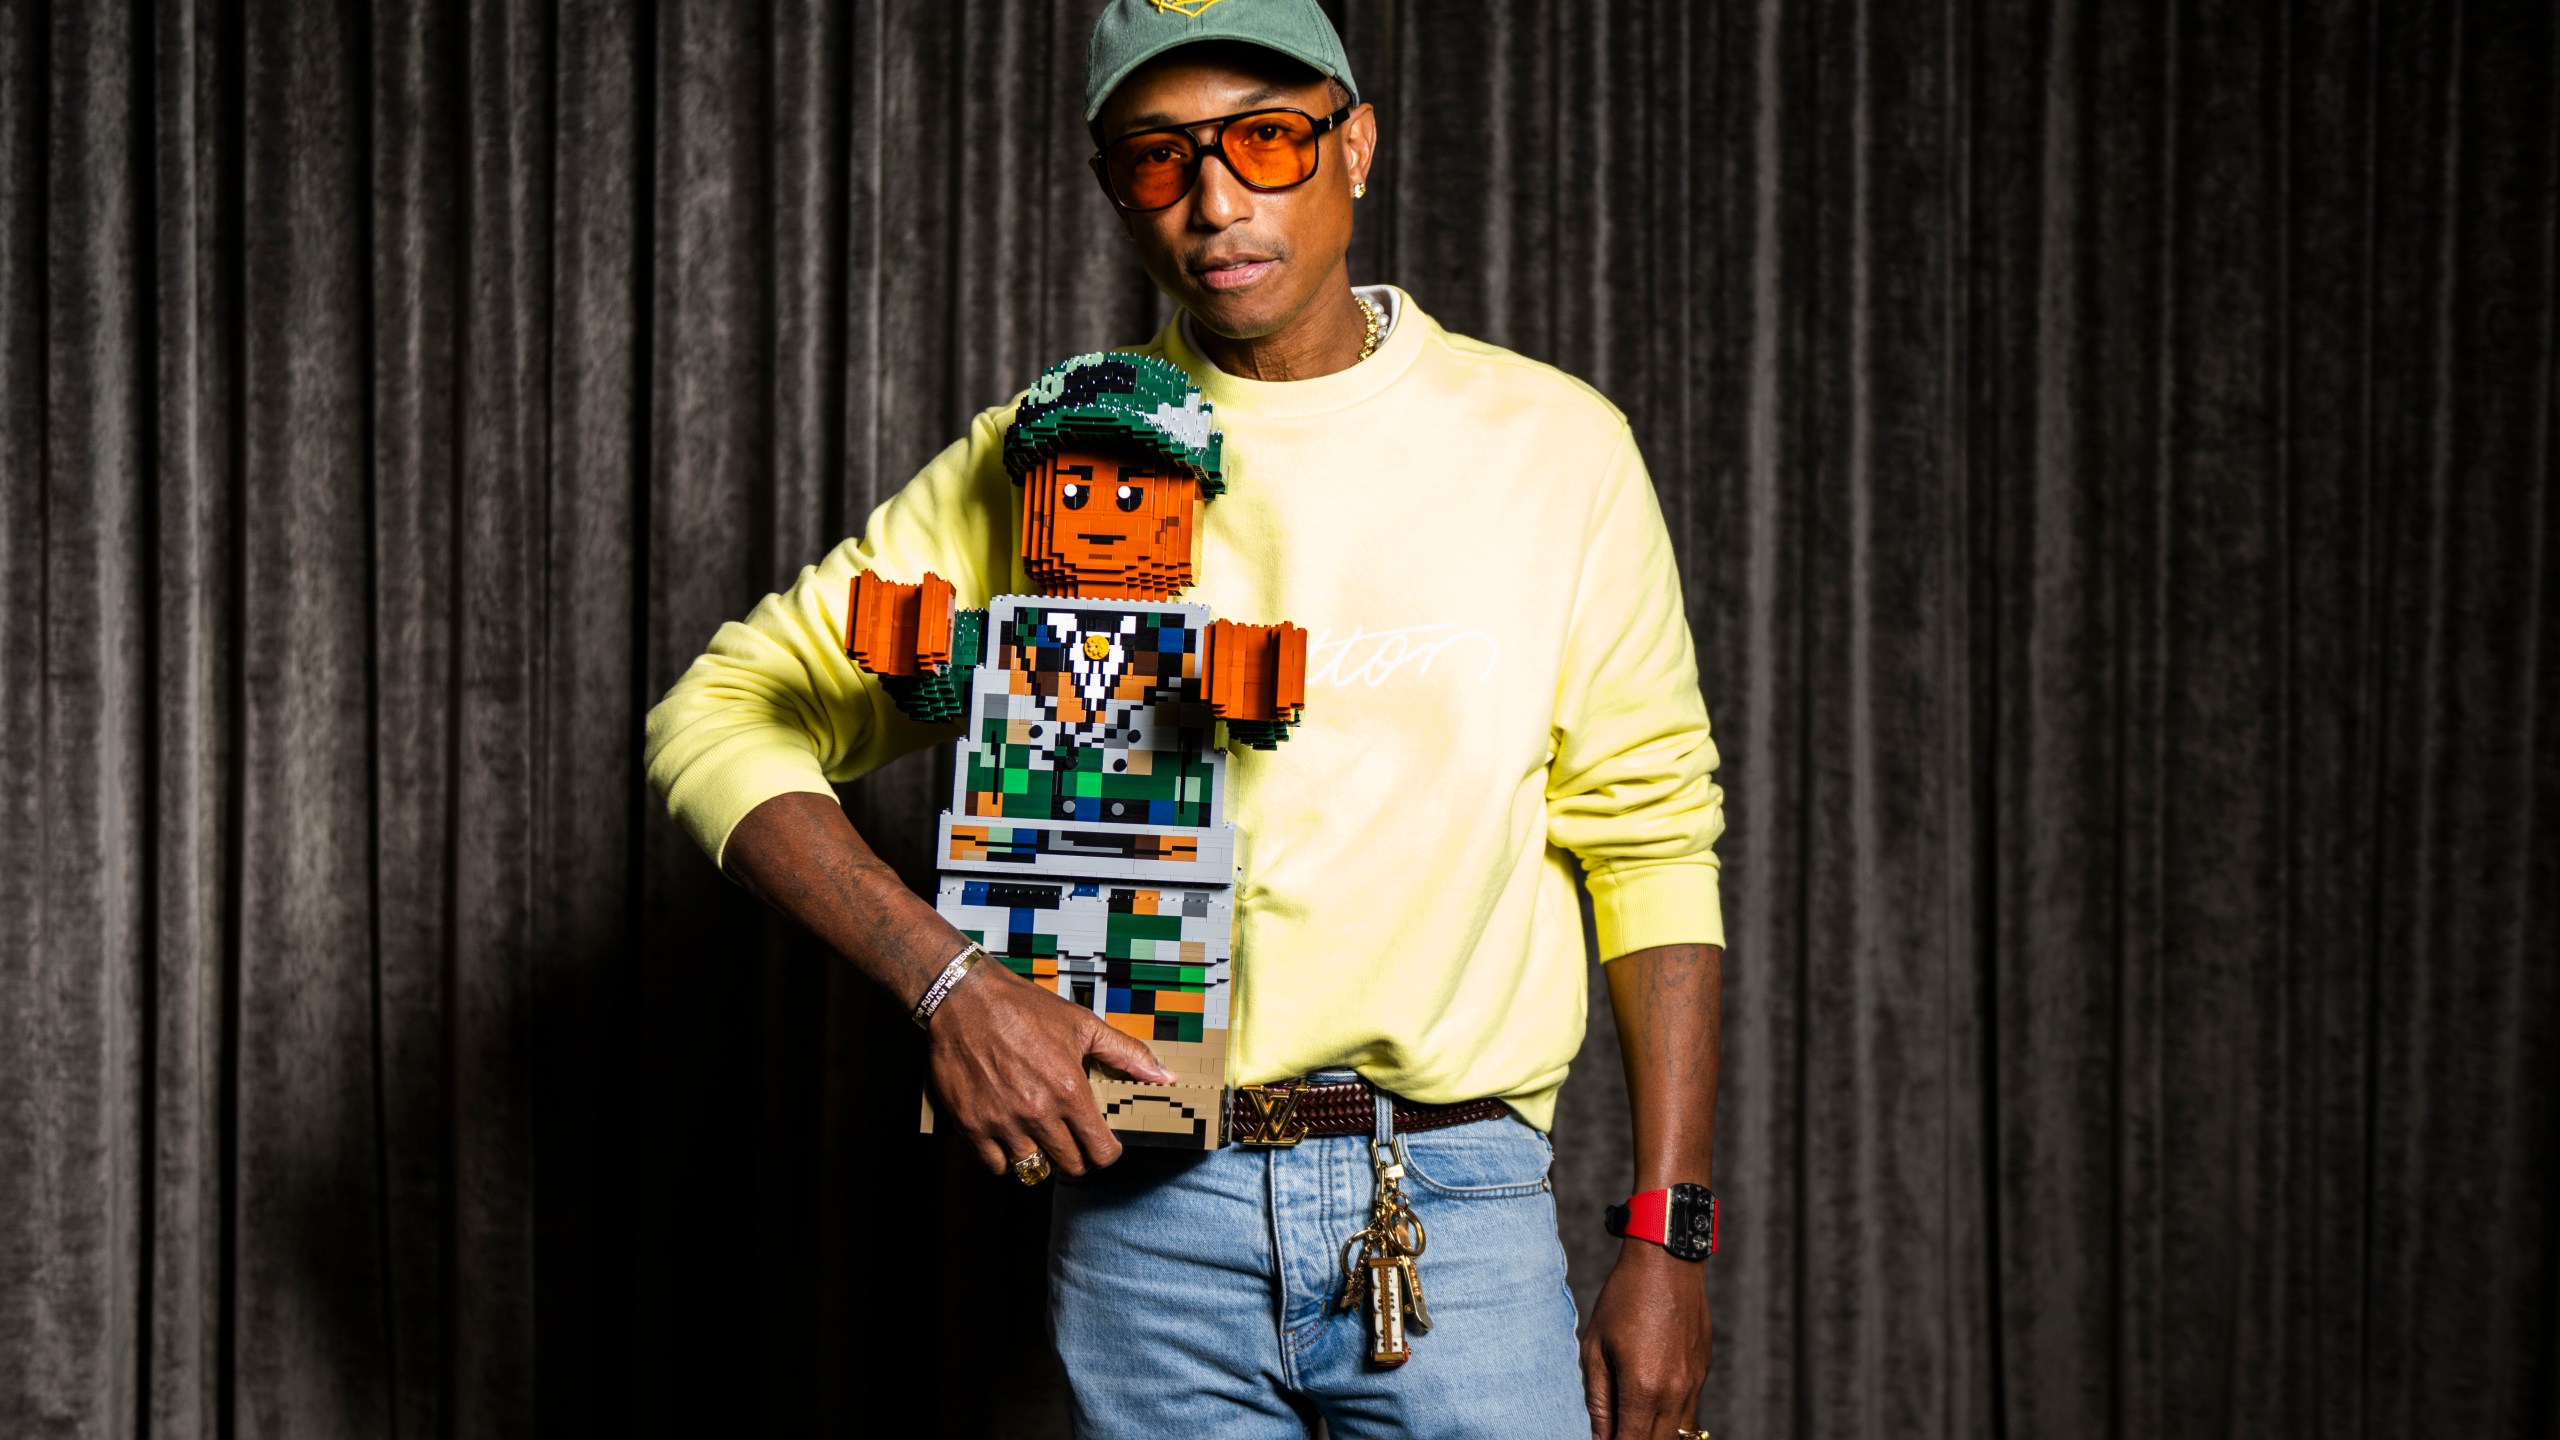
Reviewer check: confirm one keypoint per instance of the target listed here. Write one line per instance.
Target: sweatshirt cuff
(709, 807)
(1667, 902)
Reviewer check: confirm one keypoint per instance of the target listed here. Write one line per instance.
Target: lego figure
(1086, 845)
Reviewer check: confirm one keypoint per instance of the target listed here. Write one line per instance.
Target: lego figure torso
(1091, 710)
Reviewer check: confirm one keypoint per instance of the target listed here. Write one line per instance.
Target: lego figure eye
(1129, 497)
(1074, 496)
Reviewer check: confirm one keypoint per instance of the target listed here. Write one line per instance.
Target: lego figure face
(1108, 522)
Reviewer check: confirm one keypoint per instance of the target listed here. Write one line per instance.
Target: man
(1499, 677)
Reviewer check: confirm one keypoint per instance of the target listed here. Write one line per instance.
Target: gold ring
(1687, 1434)
(1033, 1168)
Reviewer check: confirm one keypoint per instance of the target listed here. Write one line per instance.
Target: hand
(1007, 1060)
(898, 630)
(1648, 1346)
(1256, 672)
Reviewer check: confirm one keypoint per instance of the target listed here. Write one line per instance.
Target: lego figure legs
(1149, 959)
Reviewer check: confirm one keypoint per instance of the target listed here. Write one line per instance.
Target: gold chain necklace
(1377, 322)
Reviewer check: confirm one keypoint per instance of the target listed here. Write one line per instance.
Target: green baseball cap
(1133, 32)
(1118, 397)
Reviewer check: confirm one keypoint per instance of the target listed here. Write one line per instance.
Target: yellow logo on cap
(1186, 8)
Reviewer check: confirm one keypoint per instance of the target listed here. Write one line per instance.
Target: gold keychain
(1384, 1273)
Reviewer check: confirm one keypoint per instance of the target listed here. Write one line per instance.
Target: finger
(1644, 1415)
(1679, 1408)
(1059, 1143)
(1008, 1140)
(1632, 1410)
(1596, 1393)
(1126, 1054)
(1062, 1112)
(1092, 1133)
(991, 1154)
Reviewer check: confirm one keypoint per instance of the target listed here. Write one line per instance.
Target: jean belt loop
(1386, 1135)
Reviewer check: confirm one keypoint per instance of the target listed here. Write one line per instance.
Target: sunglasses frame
(1216, 145)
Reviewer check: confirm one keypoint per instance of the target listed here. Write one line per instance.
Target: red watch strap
(1649, 1215)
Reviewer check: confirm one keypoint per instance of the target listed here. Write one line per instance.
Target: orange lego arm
(899, 630)
(1257, 672)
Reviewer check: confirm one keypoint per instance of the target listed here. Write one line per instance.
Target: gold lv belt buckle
(1276, 1125)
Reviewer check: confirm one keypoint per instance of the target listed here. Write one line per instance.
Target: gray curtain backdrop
(2110, 450)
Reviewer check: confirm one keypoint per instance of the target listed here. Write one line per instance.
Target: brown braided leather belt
(1287, 1111)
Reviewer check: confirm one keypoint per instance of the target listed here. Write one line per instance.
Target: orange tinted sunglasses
(1274, 149)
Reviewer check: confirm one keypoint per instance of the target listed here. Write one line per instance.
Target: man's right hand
(1007, 1063)
(1007, 1056)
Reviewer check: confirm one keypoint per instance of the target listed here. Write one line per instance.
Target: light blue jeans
(1194, 1294)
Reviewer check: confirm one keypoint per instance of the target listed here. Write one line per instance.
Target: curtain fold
(2109, 449)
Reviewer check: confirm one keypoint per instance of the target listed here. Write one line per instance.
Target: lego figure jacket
(1086, 844)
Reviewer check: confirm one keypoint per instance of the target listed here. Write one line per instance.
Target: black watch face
(1690, 1231)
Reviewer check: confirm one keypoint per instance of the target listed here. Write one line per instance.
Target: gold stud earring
(1359, 189)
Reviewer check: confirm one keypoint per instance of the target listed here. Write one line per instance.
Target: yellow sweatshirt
(1499, 678)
